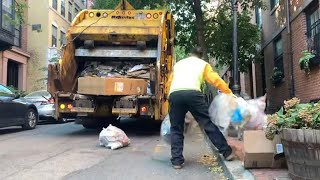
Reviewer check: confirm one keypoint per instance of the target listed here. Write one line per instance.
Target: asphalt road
(68, 151)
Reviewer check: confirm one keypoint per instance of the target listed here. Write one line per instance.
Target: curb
(233, 170)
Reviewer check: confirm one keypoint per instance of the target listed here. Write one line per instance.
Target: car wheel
(31, 119)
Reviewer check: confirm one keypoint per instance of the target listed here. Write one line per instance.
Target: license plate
(82, 109)
(124, 111)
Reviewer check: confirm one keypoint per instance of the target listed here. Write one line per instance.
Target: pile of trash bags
(226, 111)
(243, 114)
(120, 70)
(113, 138)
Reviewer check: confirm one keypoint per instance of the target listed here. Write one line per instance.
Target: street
(68, 151)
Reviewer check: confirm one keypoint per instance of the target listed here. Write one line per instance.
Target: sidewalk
(237, 171)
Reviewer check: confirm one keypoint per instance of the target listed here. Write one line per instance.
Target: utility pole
(236, 85)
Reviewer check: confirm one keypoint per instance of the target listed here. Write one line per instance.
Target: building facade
(290, 27)
(49, 20)
(13, 46)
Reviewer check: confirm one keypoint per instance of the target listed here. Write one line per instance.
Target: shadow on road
(10, 130)
(134, 127)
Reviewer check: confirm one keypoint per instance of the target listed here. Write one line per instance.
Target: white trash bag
(165, 130)
(226, 110)
(113, 138)
(221, 110)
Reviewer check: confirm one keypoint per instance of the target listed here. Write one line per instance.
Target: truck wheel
(31, 119)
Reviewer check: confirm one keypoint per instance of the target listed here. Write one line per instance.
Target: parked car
(44, 103)
(16, 111)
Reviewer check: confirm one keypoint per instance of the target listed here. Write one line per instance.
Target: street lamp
(236, 86)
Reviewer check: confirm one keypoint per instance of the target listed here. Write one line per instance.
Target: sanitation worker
(185, 95)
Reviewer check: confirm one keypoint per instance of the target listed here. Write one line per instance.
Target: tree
(105, 4)
(201, 40)
(215, 33)
(219, 34)
(138, 4)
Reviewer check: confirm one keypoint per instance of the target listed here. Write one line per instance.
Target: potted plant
(298, 126)
(277, 76)
(308, 60)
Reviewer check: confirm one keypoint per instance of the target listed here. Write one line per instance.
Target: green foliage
(295, 116)
(137, 4)
(277, 76)
(19, 10)
(219, 35)
(304, 61)
(179, 53)
(105, 4)
(17, 91)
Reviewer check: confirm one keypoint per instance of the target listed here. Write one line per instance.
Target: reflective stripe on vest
(188, 74)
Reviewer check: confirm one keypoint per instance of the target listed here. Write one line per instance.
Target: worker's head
(197, 51)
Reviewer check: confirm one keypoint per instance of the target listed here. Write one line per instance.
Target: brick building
(13, 47)
(286, 33)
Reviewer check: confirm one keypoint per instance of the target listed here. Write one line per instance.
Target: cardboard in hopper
(111, 86)
(260, 152)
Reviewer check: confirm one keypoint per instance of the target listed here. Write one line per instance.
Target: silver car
(44, 103)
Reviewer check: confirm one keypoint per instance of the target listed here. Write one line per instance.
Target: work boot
(231, 157)
(178, 166)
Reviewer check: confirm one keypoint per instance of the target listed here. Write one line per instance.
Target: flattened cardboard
(111, 86)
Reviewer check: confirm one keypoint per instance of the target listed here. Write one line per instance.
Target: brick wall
(276, 94)
(307, 85)
(259, 80)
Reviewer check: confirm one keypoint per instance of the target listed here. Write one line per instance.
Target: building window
(278, 54)
(76, 9)
(63, 8)
(273, 4)
(7, 14)
(17, 36)
(54, 36)
(258, 18)
(70, 11)
(313, 28)
(62, 38)
(13, 74)
(54, 4)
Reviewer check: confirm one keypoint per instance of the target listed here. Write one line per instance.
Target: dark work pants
(180, 103)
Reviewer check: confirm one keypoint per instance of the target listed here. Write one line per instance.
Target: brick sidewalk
(259, 174)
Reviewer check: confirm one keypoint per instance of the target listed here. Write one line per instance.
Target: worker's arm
(214, 79)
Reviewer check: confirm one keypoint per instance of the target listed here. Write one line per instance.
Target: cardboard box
(111, 86)
(260, 152)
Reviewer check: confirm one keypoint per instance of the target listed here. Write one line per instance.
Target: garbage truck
(115, 63)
